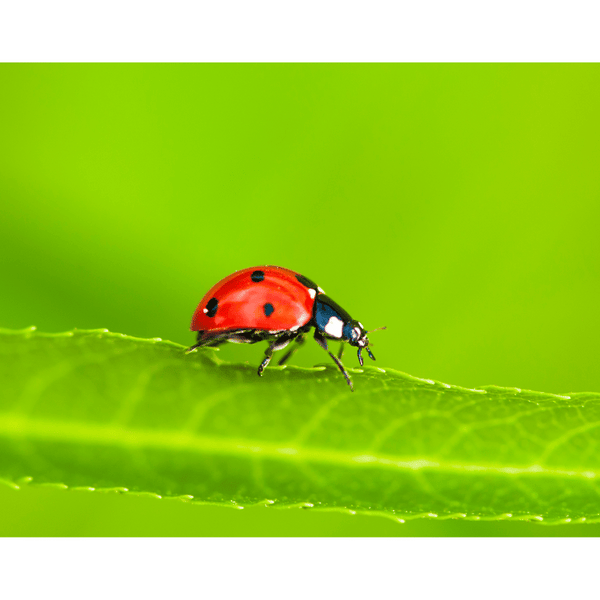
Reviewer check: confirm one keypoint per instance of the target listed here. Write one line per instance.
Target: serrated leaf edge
(268, 503)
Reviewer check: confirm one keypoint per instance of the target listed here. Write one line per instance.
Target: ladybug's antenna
(378, 329)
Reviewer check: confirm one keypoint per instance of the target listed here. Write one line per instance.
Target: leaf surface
(101, 410)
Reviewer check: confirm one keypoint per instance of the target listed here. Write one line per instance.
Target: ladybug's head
(335, 323)
(356, 335)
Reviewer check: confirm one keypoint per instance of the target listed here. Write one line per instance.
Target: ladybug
(279, 306)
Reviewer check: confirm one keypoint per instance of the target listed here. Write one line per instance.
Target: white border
(411, 568)
(425, 30)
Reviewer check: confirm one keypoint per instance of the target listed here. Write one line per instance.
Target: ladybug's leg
(209, 341)
(279, 344)
(299, 342)
(323, 343)
(341, 351)
(239, 335)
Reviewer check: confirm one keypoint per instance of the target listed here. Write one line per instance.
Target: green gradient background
(457, 204)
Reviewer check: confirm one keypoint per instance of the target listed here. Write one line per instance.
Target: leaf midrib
(76, 432)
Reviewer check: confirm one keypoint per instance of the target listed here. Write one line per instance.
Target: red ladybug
(276, 305)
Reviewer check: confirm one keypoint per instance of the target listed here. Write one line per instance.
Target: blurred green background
(457, 204)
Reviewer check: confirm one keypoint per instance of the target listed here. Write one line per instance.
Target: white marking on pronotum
(334, 327)
(321, 290)
(361, 324)
(312, 293)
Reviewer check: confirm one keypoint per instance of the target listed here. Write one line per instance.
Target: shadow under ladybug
(277, 305)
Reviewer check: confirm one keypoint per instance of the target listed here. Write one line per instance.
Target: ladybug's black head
(356, 335)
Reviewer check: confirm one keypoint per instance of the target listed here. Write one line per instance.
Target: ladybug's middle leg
(279, 344)
(288, 354)
(323, 343)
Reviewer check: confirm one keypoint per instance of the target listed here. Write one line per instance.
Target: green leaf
(101, 410)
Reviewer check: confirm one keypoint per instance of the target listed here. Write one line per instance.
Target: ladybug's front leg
(323, 343)
(279, 344)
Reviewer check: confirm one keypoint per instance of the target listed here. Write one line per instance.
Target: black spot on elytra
(307, 282)
(257, 276)
(268, 308)
(211, 307)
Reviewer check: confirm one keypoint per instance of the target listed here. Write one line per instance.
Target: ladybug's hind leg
(279, 344)
(213, 340)
(203, 340)
(341, 351)
(323, 343)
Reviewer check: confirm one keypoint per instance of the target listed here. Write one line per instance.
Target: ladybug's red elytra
(279, 306)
